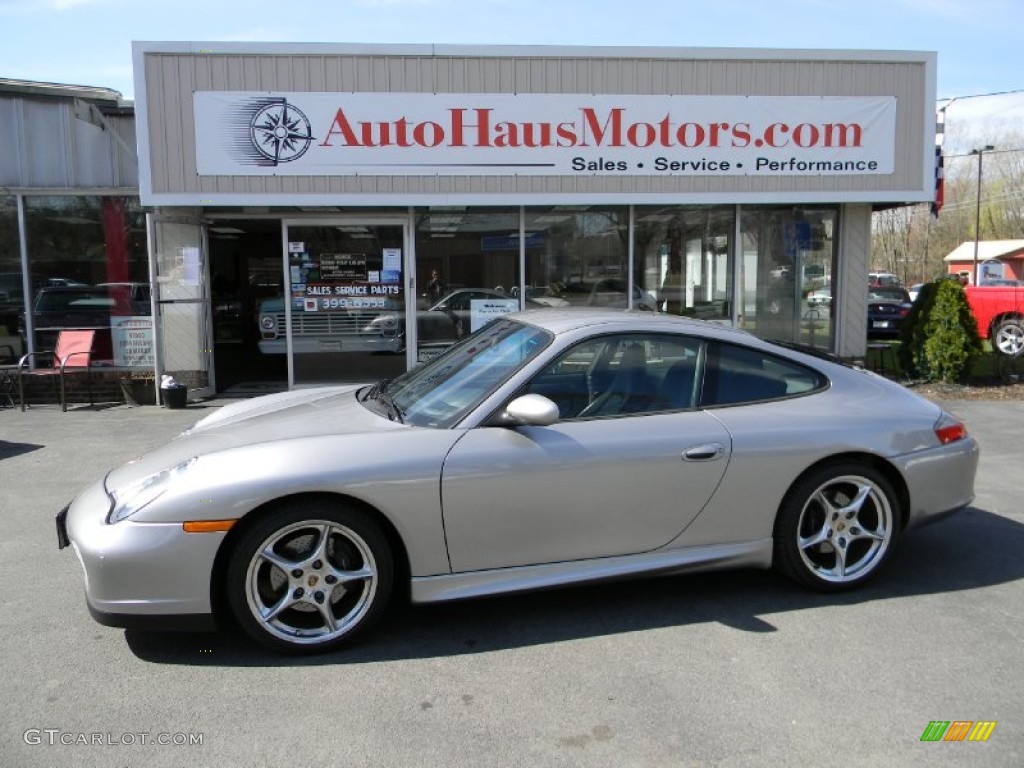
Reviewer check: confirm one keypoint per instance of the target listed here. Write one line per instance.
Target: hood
(272, 418)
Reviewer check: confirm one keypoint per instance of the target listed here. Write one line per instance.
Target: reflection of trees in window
(577, 246)
(787, 252)
(86, 238)
(683, 258)
(9, 250)
(469, 249)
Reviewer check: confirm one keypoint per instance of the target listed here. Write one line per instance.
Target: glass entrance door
(181, 278)
(342, 318)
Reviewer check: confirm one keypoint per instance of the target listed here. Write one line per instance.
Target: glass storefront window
(12, 292)
(682, 259)
(90, 269)
(577, 255)
(787, 262)
(345, 288)
(467, 272)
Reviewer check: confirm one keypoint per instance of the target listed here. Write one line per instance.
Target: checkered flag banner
(940, 172)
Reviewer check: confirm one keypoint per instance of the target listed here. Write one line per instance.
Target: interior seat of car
(631, 389)
(677, 388)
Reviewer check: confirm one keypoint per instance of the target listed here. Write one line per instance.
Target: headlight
(131, 498)
(268, 322)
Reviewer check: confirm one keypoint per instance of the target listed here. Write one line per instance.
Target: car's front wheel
(310, 577)
(1008, 337)
(836, 527)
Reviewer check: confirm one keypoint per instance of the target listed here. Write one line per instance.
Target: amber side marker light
(207, 526)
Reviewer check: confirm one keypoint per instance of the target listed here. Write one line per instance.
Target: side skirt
(459, 586)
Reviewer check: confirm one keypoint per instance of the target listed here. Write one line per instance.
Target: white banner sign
(482, 311)
(418, 134)
(132, 339)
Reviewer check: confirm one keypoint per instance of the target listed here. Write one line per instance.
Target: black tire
(310, 577)
(836, 527)
(1008, 337)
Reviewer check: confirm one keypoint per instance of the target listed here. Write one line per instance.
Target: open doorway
(245, 270)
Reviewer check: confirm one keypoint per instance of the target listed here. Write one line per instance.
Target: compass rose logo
(280, 132)
(268, 131)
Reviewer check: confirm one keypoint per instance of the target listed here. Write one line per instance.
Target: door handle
(706, 452)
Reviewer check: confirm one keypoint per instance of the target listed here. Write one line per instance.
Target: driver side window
(622, 375)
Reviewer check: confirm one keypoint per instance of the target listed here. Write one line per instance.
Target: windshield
(442, 391)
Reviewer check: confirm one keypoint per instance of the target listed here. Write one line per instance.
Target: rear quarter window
(737, 375)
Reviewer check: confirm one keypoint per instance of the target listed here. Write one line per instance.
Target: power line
(950, 99)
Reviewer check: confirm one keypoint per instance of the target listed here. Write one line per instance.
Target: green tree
(940, 335)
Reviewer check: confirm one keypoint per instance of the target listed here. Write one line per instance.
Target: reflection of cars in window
(545, 296)
(345, 328)
(820, 297)
(369, 329)
(137, 294)
(12, 300)
(608, 292)
(78, 306)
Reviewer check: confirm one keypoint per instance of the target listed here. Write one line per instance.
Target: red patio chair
(72, 355)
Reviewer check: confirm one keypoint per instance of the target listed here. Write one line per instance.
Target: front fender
(397, 473)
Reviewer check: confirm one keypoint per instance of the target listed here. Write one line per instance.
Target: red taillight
(949, 429)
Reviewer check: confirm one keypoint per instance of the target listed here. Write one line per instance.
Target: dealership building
(297, 214)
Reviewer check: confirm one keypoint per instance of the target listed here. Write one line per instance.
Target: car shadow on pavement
(971, 550)
(10, 450)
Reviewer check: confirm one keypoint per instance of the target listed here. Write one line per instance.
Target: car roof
(560, 320)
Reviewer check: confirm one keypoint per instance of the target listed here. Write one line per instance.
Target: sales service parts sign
(418, 134)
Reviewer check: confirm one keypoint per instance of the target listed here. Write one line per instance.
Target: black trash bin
(175, 397)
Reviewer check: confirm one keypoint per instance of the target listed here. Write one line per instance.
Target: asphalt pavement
(736, 669)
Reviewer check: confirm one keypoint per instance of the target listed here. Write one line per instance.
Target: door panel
(344, 320)
(578, 489)
(181, 276)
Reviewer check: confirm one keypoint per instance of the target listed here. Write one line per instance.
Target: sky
(88, 42)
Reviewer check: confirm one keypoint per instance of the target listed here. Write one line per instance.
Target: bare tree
(912, 243)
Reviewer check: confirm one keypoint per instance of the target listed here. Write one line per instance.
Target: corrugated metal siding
(49, 148)
(852, 290)
(171, 78)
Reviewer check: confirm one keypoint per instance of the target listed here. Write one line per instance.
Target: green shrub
(939, 337)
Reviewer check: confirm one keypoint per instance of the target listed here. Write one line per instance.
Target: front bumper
(151, 575)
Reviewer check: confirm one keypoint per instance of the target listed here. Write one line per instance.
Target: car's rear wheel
(836, 527)
(310, 577)
(1008, 337)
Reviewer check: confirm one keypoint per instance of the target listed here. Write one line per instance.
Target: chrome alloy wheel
(1008, 338)
(845, 529)
(311, 582)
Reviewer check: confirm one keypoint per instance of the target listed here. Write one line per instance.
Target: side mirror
(531, 411)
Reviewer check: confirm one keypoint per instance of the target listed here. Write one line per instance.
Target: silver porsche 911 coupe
(550, 447)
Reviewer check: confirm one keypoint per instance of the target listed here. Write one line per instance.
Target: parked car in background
(888, 305)
(914, 290)
(541, 451)
(999, 311)
(883, 279)
(820, 297)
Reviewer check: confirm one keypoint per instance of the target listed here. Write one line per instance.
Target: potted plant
(139, 388)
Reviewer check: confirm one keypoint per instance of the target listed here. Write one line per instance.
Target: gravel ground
(934, 391)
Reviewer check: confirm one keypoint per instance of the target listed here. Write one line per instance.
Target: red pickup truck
(999, 310)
